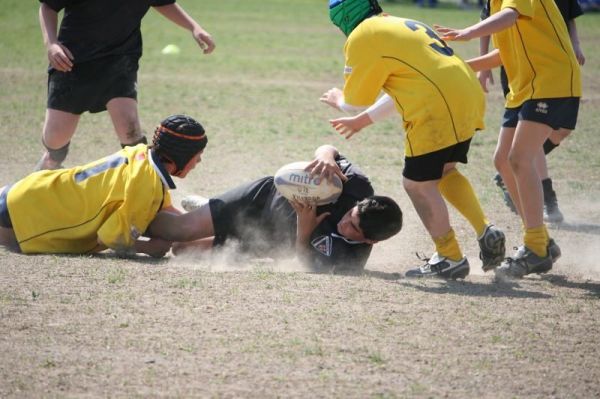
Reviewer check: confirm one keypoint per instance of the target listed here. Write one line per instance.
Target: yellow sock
(447, 246)
(536, 239)
(457, 190)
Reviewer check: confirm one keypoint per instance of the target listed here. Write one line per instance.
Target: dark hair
(380, 217)
(178, 139)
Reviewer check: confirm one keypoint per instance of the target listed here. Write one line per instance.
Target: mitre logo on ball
(295, 183)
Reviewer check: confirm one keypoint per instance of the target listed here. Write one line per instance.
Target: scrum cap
(347, 14)
(179, 138)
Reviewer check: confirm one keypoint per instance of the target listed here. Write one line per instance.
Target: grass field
(188, 327)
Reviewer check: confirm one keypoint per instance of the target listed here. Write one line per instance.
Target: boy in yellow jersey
(569, 10)
(441, 104)
(108, 203)
(532, 42)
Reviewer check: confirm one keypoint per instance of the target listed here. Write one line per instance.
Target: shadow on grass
(469, 288)
(507, 289)
(142, 259)
(383, 275)
(577, 227)
(592, 287)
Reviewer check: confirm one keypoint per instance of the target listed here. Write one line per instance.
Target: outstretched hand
(451, 34)
(332, 97)
(348, 126)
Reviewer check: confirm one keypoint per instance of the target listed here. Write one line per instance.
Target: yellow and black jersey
(112, 200)
(435, 91)
(536, 52)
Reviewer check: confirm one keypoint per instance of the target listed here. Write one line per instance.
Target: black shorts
(430, 166)
(4, 215)
(555, 112)
(92, 84)
(239, 211)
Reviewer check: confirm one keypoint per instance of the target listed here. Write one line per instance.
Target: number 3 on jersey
(440, 46)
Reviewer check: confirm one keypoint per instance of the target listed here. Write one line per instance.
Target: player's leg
(123, 112)
(534, 256)
(510, 120)
(8, 238)
(59, 128)
(529, 138)
(552, 212)
(120, 98)
(458, 191)
(421, 178)
(505, 139)
(448, 260)
(430, 207)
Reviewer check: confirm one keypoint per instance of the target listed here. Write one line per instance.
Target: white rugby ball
(294, 183)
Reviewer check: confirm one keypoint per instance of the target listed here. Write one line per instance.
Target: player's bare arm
(189, 226)
(334, 97)
(177, 15)
(59, 56)
(485, 62)
(485, 76)
(350, 125)
(382, 109)
(493, 24)
(155, 247)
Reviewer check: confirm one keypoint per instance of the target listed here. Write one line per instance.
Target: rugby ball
(294, 183)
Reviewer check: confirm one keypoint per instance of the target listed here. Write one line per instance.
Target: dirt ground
(195, 327)
(190, 327)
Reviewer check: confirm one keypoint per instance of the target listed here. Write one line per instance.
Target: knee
(500, 161)
(409, 185)
(517, 161)
(413, 187)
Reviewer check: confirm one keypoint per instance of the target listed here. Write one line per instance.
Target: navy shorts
(555, 112)
(430, 166)
(4, 215)
(92, 84)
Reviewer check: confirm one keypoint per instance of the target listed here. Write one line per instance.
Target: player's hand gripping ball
(296, 184)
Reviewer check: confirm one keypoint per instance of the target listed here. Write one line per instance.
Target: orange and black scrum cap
(179, 138)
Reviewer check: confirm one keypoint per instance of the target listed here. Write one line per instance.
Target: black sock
(549, 146)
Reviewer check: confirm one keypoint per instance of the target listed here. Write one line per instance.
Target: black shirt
(93, 29)
(264, 222)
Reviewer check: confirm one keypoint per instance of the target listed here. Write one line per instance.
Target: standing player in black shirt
(337, 236)
(94, 63)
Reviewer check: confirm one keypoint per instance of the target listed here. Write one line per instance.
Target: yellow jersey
(435, 91)
(113, 199)
(536, 52)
